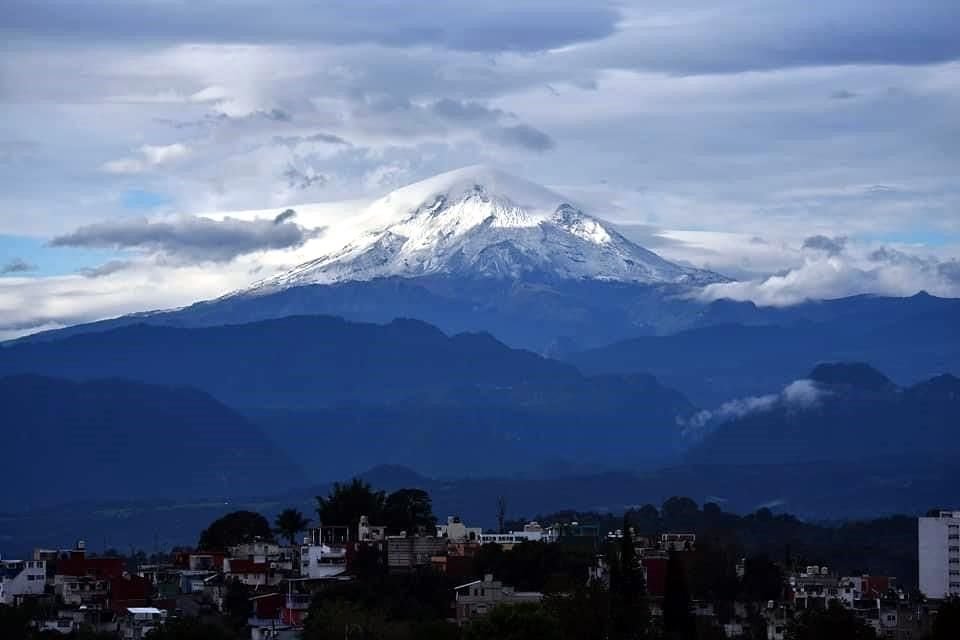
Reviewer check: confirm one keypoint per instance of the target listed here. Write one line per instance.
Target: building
(477, 598)
(137, 622)
(20, 578)
(413, 553)
(678, 541)
(250, 573)
(324, 553)
(939, 555)
(532, 532)
(83, 591)
(456, 531)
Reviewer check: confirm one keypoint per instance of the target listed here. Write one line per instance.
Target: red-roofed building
(253, 574)
(129, 591)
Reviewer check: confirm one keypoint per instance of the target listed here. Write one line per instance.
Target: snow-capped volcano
(481, 222)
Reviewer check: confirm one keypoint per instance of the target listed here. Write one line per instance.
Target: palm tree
(289, 523)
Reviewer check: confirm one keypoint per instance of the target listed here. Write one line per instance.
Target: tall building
(939, 555)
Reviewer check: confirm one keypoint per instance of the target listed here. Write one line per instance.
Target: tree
(762, 579)
(348, 502)
(233, 529)
(833, 623)
(678, 621)
(409, 510)
(191, 629)
(236, 603)
(289, 523)
(946, 624)
(525, 621)
(630, 615)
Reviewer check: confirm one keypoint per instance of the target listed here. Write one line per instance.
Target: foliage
(348, 502)
(233, 529)
(289, 523)
(192, 629)
(236, 603)
(526, 621)
(678, 620)
(946, 624)
(630, 615)
(408, 510)
(534, 566)
(833, 623)
(583, 614)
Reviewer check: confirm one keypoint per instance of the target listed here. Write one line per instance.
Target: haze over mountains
(476, 325)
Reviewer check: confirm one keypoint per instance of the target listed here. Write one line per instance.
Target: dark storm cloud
(16, 265)
(523, 136)
(465, 111)
(454, 24)
(190, 239)
(830, 246)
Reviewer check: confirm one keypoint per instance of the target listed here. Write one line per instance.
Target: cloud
(107, 268)
(162, 154)
(883, 271)
(465, 111)
(191, 239)
(454, 24)
(17, 265)
(285, 216)
(525, 137)
(830, 246)
(152, 156)
(799, 395)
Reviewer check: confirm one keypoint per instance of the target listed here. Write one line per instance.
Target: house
(76, 563)
(20, 578)
(250, 573)
(83, 591)
(137, 622)
(477, 598)
(324, 552)
(456, 531)
(129, 591)
(407, 554)
(678, 541)
(532, 532)
(367, 533)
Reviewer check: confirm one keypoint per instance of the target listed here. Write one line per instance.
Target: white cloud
(799, 395)
(162, 154)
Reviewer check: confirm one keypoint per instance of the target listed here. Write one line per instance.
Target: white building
(939, 555)
(21, 578)
(456, 531)
(324, 553)
(532, 532)
(139, 621)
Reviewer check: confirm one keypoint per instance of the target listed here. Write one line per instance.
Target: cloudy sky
(808, 149)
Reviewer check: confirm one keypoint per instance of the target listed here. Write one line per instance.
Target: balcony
(298, 601)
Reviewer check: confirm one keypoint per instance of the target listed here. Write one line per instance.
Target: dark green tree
(235, 528)
(289, 523)
(515, 622)
(236, 604)
(192, 629)
(584, 613)
(678, 620)
(762, 579)
(946, 624)
(833, 623)
(680, 513)
(348, 502)
(629, 611)
(409, 510)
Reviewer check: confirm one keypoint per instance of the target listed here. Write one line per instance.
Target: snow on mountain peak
(482, 222)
